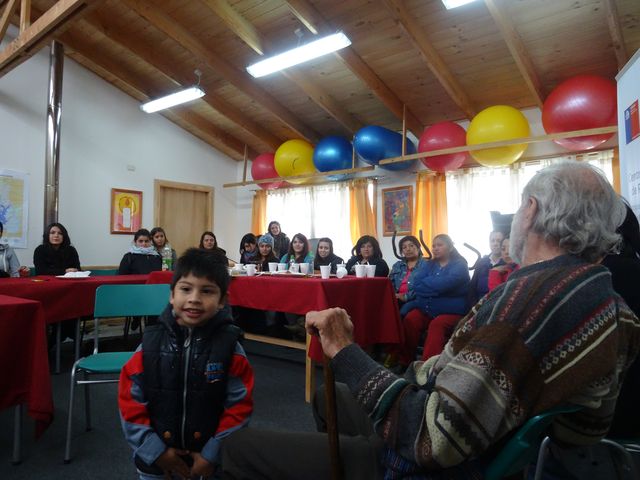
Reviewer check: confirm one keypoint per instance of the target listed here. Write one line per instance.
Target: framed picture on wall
(126, 211)
(398, 210)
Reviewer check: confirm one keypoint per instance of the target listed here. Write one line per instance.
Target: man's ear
(171, 297)
(222, 302)
(530, 212)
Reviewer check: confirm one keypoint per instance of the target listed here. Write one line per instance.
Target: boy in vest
(189, 384)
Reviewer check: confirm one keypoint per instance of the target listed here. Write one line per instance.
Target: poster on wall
(398, 210)
(629, 131)
(14, 207)
(126, 210)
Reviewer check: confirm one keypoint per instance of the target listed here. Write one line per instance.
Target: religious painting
(398, 210)
(126, 211)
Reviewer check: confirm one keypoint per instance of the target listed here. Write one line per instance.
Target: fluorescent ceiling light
(172, 100)
(449, 4)
(300, 54)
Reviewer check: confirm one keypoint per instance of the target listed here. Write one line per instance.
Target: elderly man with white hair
(554, 334)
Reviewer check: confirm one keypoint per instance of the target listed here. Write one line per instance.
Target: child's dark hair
(143, 232)
(203, 263)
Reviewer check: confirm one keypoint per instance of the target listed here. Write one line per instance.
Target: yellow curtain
(361, 212)
(431, 205)
(259, 213)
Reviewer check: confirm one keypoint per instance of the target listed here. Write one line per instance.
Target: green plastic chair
(529, 442)
(104, 272)
(112, 301)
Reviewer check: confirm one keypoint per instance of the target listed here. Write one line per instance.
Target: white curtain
(473, 193)
(316, 211)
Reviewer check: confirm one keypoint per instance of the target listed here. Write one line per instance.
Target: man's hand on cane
(334, 328)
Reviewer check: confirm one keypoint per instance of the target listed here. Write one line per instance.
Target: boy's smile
(195, 301)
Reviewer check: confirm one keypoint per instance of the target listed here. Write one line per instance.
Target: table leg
(17, 436)
(310, 374)
(78, 340)
(58, 346)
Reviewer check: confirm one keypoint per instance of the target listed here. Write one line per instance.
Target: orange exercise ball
(294, 157)
(493, 124)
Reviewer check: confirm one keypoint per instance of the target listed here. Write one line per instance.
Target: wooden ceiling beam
(29, 41)
(615, 30)
(315, 93)
(106, 68)
(518, 51)
(430, 56)
(25, 15)
(309, 15)
(238, 78)
(146, 54)
(237, 23)
(5, 20)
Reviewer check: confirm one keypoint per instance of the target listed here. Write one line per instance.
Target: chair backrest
(130, 300)
(103, 271)
(522, 448)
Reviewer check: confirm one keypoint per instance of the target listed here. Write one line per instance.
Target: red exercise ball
(439, 136)
(579, 103)
(262, 167)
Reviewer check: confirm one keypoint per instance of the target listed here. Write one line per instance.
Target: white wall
(103, 131)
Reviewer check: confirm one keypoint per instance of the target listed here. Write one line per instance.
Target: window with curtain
(473, 193)
(316, 211)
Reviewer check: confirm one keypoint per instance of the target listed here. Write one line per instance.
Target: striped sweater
(555, 333)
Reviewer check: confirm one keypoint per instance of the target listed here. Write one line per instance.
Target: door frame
(159, 184)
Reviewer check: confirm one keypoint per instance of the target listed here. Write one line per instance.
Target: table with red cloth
(24, 353)
(370, 302)
(63, 298)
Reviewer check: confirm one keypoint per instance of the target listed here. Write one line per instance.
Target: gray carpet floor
(103, 453)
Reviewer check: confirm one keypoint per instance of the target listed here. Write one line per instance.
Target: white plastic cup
(273, 266)
(238, 267)
(361, 271)
(251, 269)
(325, 271)
(282, 267)
(370, 271)
(294, 268)
(304, 268)
(341, 271)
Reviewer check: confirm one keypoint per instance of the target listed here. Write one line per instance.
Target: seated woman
(56, 255)
(404, 271)
(325, 256)
(208, 241)
(440, 287)
(280, 239)
(498, 275)
(367, 252)
(248, 248)
(9, 263)
(163, 247)
(265, 252)
(142, 257)
(298, 251)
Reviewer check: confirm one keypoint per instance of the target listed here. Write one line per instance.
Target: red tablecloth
(371, 302)
(24, 357)
(63, 299)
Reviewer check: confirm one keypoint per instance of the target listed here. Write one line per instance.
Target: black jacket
(185, 379)
(332, 260)
(382, 269)
(49, 261)
(139, 263)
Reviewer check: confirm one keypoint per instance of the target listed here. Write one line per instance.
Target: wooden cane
(332, 420)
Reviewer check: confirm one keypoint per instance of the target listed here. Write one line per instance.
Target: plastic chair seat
(109, 362)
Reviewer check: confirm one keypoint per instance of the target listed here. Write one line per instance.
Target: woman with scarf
(142, 257)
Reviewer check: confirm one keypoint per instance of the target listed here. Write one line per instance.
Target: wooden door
(184, 211)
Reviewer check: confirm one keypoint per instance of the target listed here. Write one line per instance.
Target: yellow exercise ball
(493, 124)
(294, 157)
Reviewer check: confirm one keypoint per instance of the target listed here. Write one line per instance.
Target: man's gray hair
(577, 207)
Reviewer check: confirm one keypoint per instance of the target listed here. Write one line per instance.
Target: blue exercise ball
(374, 143)
(333, 153)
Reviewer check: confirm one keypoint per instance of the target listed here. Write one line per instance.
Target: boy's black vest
(185, 379)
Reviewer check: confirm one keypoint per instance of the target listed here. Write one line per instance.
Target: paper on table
(84, 274)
